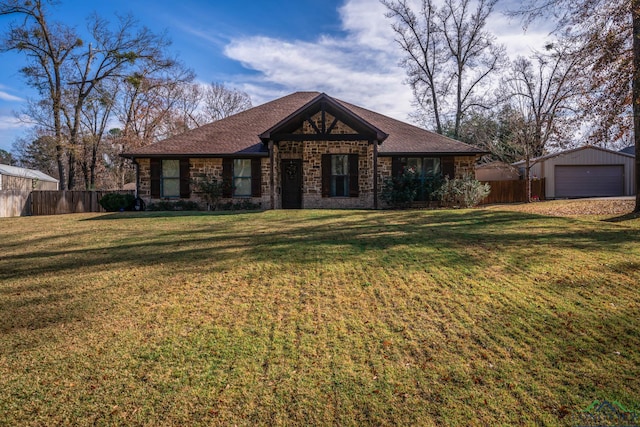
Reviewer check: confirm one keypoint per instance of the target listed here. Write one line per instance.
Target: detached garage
(585, 172)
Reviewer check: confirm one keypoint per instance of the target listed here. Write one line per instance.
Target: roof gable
(331, 113)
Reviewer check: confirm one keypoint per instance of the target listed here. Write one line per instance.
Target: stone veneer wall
(465, 165)
(311, 155)
(203, 166)
(310, 152)
(144, 179)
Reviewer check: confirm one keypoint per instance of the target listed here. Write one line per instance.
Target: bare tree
(6, 158)
(494, 130)
(96, 114)
(543, 91)
(48, 48)
(111, 56)
(157, 103)
(153, 104)
(182, 101)
(66, 70)
(448, 56)
(610, 33)
(221, 102)
(38, 151)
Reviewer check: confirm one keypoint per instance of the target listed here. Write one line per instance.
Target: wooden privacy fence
(23, 203)
(63, 202)
(513, 191)
(14, 203)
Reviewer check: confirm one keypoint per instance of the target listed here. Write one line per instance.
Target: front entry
(291, 183)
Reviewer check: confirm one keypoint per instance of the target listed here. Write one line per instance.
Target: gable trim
(284, 130)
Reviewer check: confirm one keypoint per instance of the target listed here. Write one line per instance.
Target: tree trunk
(71, 173)
(635, 11)
(92, 167)
(527, 175)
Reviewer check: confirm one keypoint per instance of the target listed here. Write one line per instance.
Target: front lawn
(468, 317)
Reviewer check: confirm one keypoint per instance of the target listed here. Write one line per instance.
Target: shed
(587, 171)
(497, 171)
(23, 179)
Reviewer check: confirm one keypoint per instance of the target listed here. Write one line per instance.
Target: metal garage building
(585, 172)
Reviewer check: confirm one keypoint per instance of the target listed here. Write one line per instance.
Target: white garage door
(589, 181)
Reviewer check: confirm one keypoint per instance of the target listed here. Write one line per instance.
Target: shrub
(211, 190)
(429, 188)
(167, 205)
(114, 202)
(462, 192)
(244, 205)
(400, 191)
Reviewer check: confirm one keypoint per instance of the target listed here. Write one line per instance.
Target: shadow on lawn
(549, 335)
(165, 214)
(622, 218)
(229, 241)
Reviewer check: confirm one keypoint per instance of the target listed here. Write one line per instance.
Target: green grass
(469, 317)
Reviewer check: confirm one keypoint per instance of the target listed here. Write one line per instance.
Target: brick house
(305, 150)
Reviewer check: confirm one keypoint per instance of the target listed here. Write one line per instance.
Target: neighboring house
(305, 150)
(587, 171)
(497, 171)
(22, 179)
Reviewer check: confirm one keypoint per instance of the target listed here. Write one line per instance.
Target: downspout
(375, 174)
(135, 162)
(272, 182)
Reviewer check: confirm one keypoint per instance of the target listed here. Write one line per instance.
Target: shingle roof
(406, 139)
(239, 134)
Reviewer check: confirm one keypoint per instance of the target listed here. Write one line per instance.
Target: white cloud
(510, 33)
(366, 21)
(12, 122)
(11, 127)
(360, 67)
(8, 97)
(204, 35)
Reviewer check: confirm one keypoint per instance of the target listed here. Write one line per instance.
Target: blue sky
(267, 48)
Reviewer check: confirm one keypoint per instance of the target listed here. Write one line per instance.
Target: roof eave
(432, 153)
(239, 154)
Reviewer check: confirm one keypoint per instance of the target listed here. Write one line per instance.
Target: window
(428, 173)
(242, 177)
(425, 167)
(170, 179)
(340, 175)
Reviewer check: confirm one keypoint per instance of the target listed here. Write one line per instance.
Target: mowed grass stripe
(470, 317)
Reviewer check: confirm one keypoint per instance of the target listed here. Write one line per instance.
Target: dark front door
(291, 184)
